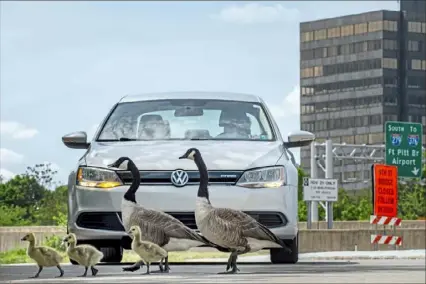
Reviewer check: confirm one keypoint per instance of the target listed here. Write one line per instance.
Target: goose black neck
(130, 195)
(203, 190)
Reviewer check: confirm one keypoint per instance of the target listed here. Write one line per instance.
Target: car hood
(164, 155)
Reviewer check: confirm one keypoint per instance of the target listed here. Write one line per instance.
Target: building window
(375, 138)
(361, 138)
(333, 32)
(375, 26)
(307, 91)
(413, 45)
(307, 72)
(390, 44)
(347, 30)
(416, 64)
(318, 71)
(348, 139)
(423, 64)
(307, 54)
(374, 44)
(307, 109)
(415, 27)
(361, 28)
(360, 47)
(307, 36)
(390, 63)
(424, 28)
(320, 34)
(390, 26)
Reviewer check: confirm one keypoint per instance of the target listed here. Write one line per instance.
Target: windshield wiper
(115, 140)
(201, 138)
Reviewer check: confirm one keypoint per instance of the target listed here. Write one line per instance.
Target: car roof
(192, 95)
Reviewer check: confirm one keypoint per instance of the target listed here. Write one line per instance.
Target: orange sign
(385, 182)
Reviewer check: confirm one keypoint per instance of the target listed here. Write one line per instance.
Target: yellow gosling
(147, 251)
(43, 256)
(85, 255)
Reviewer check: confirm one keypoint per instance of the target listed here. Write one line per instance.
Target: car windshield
(192, 119)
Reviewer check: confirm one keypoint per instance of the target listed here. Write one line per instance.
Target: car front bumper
(95, 214)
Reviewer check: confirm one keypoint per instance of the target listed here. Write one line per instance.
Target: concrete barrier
(413, 224)
(10, 237)
(316, 240)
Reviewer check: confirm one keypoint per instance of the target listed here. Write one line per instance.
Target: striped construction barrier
(380, 220)
(386, 240)
(377, 239)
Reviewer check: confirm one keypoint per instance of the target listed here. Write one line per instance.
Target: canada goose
(85, 255)
(148, 251)
(227, 227)
(43, 256)
(158, 227)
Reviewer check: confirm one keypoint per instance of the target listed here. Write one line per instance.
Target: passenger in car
(236, 125)
(152, 126)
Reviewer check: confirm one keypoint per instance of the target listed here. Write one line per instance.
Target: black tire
(280, 256)
(112, 254)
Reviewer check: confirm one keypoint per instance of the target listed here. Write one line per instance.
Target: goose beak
(23, 239)
(182, 157)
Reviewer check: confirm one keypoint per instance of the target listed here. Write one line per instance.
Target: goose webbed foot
(147, 270)
(61, 271)
(166, 265)
(40, 268)
(232, 263)
(94, 271)
(85, 272)
(134, 267)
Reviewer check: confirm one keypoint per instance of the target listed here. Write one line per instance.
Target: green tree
(43, 173)
(22, 191)
(13, 216)
(54, 202)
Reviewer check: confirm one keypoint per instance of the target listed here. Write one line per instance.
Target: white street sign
(320, 189)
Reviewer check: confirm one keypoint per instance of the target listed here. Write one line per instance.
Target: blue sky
(64, 64)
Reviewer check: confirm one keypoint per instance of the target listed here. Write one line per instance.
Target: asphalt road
(372, 271)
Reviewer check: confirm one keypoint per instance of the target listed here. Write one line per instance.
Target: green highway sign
(404, 147)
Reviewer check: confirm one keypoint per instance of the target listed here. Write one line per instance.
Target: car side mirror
(76, 140)
(299, 139)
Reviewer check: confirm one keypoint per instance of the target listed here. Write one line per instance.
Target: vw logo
(179, 178)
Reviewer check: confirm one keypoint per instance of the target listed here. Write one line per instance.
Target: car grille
(163, 177)
(111, 221)
(268, 219)
(100, 221)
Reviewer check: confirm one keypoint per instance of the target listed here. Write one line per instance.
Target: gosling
(147, 251)
(85, 255)
(43, 256)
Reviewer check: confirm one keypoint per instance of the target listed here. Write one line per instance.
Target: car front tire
(112, 254)
(281, 256)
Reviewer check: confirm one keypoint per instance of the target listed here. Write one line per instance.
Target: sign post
(385, 204)
(319, 190)
(403, 144)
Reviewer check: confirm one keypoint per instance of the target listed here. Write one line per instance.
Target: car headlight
(271, 177)
(98, 178)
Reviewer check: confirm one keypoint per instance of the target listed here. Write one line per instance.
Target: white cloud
(289, 107)
(10, 157)
(6, 174)
(252, 13)
(17, 130)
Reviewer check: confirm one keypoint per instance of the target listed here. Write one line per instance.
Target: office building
(356, 73)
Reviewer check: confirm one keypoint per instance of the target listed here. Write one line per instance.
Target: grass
(20, 256)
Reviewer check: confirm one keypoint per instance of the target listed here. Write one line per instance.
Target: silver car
(250, 166)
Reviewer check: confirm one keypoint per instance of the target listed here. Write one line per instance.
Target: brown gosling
(43, 256)
(85, 255)
(147, 251)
